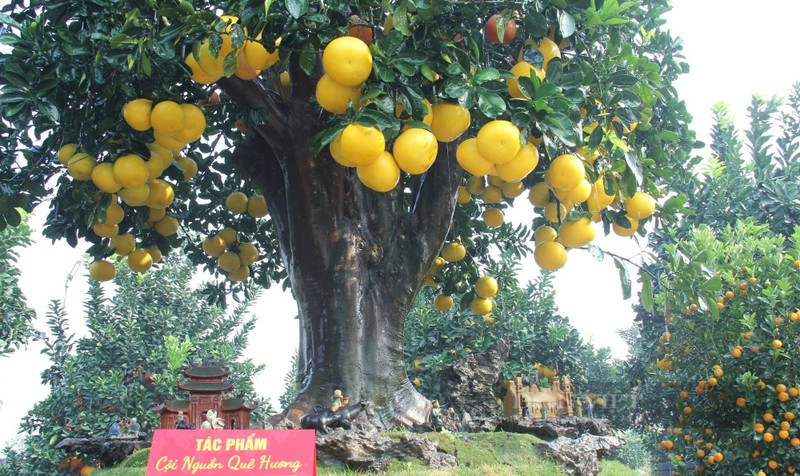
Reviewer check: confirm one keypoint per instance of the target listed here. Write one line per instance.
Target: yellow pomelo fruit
(486, 287)
(463, 195)
(493, 217)
(103, 178)
(589, 157)
(66, 152)
(545, 233)
(105, 230)
(114, 214)
(214, 65)
(166, 226)
(198, 75)
(140, 261)
(578, 194)
(382, 174)
(102, 270)
(520, 165)
(194, 124)
(450, 120)
(492, 194)
(362, 145)
(123, 244)
(415, 150)
(189, 168)
(244, 70)
(135, 196)
(598, 198)
(155, 167)
(512, 189)
(167, 117)
(335, 148)
(229, 261)
(257, 207)
(240, 274)
(519, 70)
(168, 141)
(427, 117)
(335, 97)
(161, 152)
(476, 184)
(550, 255)
(214, 246)
(443, 302)
(547, 47)
(555, 212)
(257, 55)
(236, 203)
(573, 234)
(347, 60)
(495, 180)
(453, 251)
(155, 253)
(498, 141)
(137, 113)
(626, 231)
(248, 254)
(471, 160)
(131, 171)
(80, 166)
(161, 194)
(155, 214)
(565, 172)
(481, 306)
(437, 266)
(640, 206)
(539, 195)
(229, 235)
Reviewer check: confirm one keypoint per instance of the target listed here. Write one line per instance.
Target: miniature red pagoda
(205, 387)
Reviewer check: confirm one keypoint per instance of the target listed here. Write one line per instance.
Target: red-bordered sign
(233, 452)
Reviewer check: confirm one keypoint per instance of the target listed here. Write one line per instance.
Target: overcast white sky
(734, 49)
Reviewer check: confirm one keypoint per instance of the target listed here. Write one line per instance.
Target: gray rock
(109, 451)
(373, 452)
(580, 456)
(468, 386)
(552, 428)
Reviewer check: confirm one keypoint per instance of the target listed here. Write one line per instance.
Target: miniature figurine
(132, 428)
(436, 415)
(182, 424)
(544, 411)
(526, 411)
(114, 431)
(212, 422)
(590, 409)
(579, 407)
(336, 400)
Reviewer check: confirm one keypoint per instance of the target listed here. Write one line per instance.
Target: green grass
(490, 454)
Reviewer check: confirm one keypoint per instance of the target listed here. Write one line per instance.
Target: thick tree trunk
(356, 258)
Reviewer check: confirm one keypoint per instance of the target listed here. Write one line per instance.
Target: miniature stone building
(535, 402)
(205, 387)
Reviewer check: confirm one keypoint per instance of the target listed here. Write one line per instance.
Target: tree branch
(253, 95)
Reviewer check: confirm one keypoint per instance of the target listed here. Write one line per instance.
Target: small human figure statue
(336, 400)
(526, 411)
(590, 408)
(182, 424)
(579, 407)
(212, 422)
(132, 428)
(544, 411)
(436, 415)
(114, 431)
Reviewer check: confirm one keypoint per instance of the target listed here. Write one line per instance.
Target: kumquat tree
(342, 148)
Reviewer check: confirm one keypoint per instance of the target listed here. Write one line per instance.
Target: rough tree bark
(356, 258)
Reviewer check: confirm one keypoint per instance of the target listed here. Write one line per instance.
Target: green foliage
(137, 339)
(16, 327)
(291, 386)
(638, 451)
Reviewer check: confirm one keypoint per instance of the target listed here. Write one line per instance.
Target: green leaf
(647, 293)
(297, 8)
(566, 24)
(669, 136)
(624, 278)
(267, 5)
(308, 59)
(635, 167)
(595, 252)
(486, 74)
(491, 104)
(596, 138)
(400, 20)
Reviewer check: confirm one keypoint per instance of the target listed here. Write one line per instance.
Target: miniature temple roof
(205, 387)
(206, 372)
(173, 406)
(232, 404)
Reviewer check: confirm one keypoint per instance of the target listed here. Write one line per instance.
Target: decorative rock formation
(373, 452)
(468, 385)
(580, 456)
(552, 428)
(109, 451)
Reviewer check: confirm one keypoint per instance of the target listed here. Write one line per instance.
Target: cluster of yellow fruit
(493, 193)
(235, 257)
(497, 150)
(251, 58)
(136, 181)
(522, 68)
(485, 290)
(348, 63)
(451, 252)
